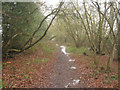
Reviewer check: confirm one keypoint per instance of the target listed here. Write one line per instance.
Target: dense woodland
(92, 26)
(89, 25)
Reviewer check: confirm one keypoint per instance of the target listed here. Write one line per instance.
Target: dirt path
(64, 73)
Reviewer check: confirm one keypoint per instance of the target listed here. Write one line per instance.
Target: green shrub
(73, 49)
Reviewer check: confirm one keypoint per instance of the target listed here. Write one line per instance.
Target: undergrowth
(78, 51)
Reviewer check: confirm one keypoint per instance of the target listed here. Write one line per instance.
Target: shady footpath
(64, 74)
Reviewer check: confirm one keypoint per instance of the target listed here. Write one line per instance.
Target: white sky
(55, 2)
(51, 2)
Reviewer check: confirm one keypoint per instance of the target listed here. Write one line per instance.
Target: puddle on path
(73, 68)
(71, 60)
(74, 82)
(57, 44)
(63, 49)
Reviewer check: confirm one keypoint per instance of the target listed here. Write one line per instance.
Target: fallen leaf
(8, 62)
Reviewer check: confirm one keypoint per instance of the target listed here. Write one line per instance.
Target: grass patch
(48, 49)
(79, 51)
(36, 47)
(38, 61)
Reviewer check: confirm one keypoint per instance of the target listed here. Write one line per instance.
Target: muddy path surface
(64, 72)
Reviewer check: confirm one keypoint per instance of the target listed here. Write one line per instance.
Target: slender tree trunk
(118, 47)
(108, 64)
(113, 54)
(90, 41)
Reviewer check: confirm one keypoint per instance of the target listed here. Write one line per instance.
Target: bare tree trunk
(118, 47)
(90, 41)
(108, 64)
(113, 54)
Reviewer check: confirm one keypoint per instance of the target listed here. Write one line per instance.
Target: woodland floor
(44, 68)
